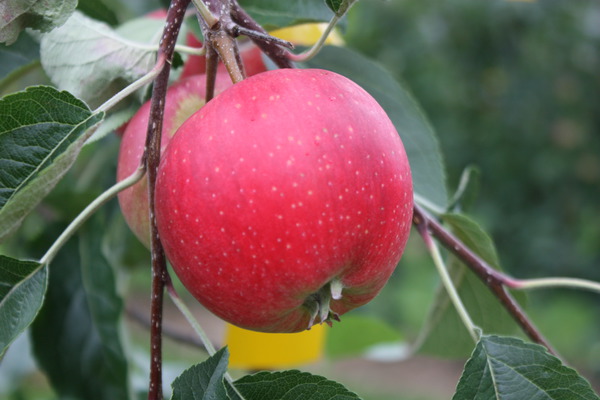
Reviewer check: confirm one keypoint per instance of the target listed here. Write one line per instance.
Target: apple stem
(492, 278)
(151, 158)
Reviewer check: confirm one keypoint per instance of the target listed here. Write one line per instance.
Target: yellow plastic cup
(256, 350)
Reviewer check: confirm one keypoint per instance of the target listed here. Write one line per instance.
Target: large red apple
(182, 100)
(285, 201)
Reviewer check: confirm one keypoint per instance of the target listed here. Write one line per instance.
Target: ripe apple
(286, 201)
(182, 100)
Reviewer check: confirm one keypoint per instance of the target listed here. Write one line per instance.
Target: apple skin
(288, 181)
(250, 53)
(182, 100)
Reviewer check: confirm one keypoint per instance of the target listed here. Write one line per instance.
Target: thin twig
(207, 344)
(492, 278)
(89, 211)
(433, 249)
(272, 50)
(151, 158)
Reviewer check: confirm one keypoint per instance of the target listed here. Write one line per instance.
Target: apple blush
(183, 99)
(285, 201)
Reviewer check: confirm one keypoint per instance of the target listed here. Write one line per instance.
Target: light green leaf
(41, 15)
(41, 133)
(204, 380)
(106, 60)
(417, 135)
(444, 334)
(291, 385)
(22, 288)
(504, 368)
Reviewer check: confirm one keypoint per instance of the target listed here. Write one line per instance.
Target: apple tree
(280, 178)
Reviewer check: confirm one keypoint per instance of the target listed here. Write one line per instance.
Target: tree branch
(492, 278)
(276, 53)
(151, 157)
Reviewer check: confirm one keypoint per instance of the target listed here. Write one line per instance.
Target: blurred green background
(514, 89)
(510, 87)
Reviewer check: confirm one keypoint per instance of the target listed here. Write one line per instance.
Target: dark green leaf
(444, 333)
(339, 6)
(291, 385)
(276, 13)
(22, 288)
(41, 133)
(98, 10)
(414, 129)
(509, 369)
(334, 5)
(204, 380)
(18, 57)
(76, 338)
(356, 333)
(42, 15)
(467, 191)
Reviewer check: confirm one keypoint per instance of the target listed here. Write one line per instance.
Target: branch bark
(151, 158)
(493, 279)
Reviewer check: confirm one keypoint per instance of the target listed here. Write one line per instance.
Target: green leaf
(507, 368)
(334, 5)
(77, 336)
(444, 334)
(17, 58)
(107, 59)
(276, 13)
(204, 380)
(291, 385)
(417, 135)
(98, 10)
(41, 15)
(467, 191)
(356, 334)
(22, 288)
(41, 133)
(339, 6)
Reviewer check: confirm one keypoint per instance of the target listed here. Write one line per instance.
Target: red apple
(183, 99)
(285, 201)
(251, 58)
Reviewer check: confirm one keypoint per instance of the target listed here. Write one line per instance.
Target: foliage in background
(512, 88)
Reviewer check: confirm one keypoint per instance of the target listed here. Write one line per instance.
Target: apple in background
(286, 201)
(182, 100)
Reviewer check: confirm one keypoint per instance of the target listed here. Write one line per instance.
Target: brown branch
(275, 52)
(492, 278)
(151, 157)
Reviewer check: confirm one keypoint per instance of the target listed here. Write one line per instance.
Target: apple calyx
(318, 303)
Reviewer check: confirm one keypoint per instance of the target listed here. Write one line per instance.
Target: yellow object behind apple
(256, 350)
